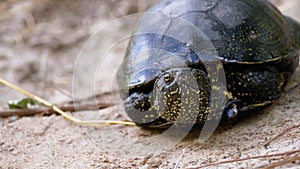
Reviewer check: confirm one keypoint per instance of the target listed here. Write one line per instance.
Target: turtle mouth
(139, 107)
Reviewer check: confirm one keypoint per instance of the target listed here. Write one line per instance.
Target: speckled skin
(256, 44)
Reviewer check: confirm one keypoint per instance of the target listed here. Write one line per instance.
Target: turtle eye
(168, 78)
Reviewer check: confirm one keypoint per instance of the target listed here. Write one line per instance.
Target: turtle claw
(232, 113)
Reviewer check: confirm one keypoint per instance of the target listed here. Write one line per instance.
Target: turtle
(249, 42)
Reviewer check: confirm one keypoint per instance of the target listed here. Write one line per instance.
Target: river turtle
(257, 46)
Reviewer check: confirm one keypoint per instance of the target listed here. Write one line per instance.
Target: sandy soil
(40, 42)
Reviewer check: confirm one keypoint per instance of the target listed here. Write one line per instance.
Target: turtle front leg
(252, 88)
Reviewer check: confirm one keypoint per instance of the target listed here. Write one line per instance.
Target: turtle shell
(195, 31)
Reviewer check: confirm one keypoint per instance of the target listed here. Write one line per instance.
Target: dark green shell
(257, 45)
(241, 31)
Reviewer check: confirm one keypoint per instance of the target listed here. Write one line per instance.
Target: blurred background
(41, 39)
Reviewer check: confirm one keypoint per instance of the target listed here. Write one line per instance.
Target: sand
(41, 42)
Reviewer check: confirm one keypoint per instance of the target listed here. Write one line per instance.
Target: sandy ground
(40, 42)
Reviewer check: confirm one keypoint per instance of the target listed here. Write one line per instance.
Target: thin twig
(65, 115)
(281, 163)
(286, 6)
(247, 158)
(179, 159)
(45, 110)
(96, 96)
(280, 134)
(291, 89)
(62, 92)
